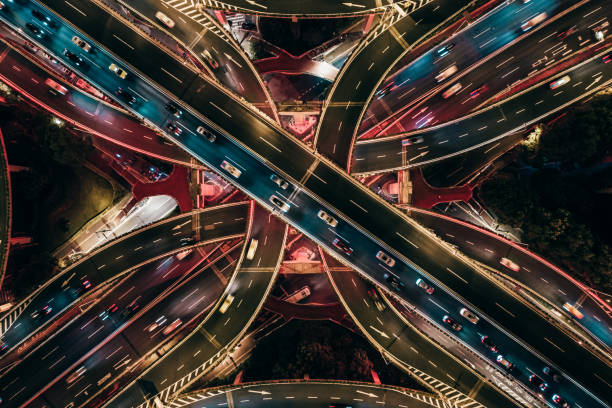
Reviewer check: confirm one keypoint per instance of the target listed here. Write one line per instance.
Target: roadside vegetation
(559, 193)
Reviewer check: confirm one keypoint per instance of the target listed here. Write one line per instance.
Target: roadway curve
(417, 252)
(84, 111)
(220, 332)
(350, 94)
(119, 257)
(484, 126)
(5, 208)
(408, 348)
(536, 274)
(308, 394)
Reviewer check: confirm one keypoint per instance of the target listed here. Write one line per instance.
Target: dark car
(452, 323)
(109, 311)
(174, 128)
(445, 49)
(554, 374)
(538, 382)
(559, 401)
(37, 31)
(488, 343)
(342, 246)
(84, 287)
(43, 18)
(126, 96)
(3, 348)
(173, 109)
(130, 309)
(394, 281)
(376, 300)
(45, 311)
(72, 57)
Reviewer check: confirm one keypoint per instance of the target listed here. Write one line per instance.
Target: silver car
(386, 259)
(230, 169)
(469, 315)
(331, 221)
(283, 206)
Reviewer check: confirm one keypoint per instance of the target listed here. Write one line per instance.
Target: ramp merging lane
(484, 126)
(257, 147)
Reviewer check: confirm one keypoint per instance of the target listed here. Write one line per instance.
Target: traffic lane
(533, 274)
(458, 169)
(201, 346)
(501, 307)
(336, 131)
(121, 255)
(537, 51)
(313, 393)
(82, 334)
(80, 107)
(456, 137)
(496, 29)
(179, 304)
(312, 8)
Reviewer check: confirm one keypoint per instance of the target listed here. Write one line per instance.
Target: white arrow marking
(352, 5)
(229, 57)
(260, 392)
(256, 4)
(596, 80)
(181, 225)
(382, 333)
(369, 394)
(68, 280)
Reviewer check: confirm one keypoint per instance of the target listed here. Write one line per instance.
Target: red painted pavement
(426, 196)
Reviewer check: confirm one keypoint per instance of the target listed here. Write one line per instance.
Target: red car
(342, 246)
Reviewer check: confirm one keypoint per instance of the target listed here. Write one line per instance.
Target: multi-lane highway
(484, 126)
(117, 257)
(5, 208)
(366, 223)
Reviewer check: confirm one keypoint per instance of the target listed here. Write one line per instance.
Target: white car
(446, 73)
(452, 90)
(211, 137)
(528, 25)
(559, 82)
(167, 21)
(469, 315)
(230, 169)
(226, 304)
(279, 181)
(509, 264)
(331, 221)
(85, 46)
(283, 206)
(386, 259)
(117, 71)
(73, 377)
(252, 248)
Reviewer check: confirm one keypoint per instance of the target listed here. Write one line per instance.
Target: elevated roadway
(311, 178)
(5, 208)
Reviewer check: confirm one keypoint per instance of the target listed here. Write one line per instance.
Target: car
(172, 326)
(606, 58)
(446, 73)
(505, 363)
(130, 309)
(347, 250)
(3, 348)
(423, 285)
(174, 110)
(82, 44)
(1, 8)
(167, 21)
(126, 96)
(35, 30)
(46, 20)
(226, 304)
(161, 320)
(386, 259)
(209, 59)
(174, 128)
(469, 315)
(252, 249)
(376, 300)
(74, 376)
(488, 343)
(412, 140)
(382, 92)
(283, 206)
(230, 169)
(559, 401)
(560, 82)
(445, 49)
(84, 287)
(452, 90)
(75, 59)
(117, 71)
(573, 310)
(554, 374)
(538, 382)
(329, 220)
(109, 311)
(509, 264)
(55, 88)
(532, 22)
(452, 323)
(211, 137)
(279, 181)
(394, 281)
(476, 92)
